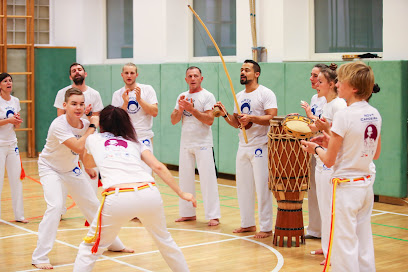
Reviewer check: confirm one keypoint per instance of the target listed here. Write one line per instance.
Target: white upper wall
(296, 26)
(395, 22)
(163, 30)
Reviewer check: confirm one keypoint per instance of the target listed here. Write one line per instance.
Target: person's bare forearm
(204, 117)
(150, 109)
(175, 116)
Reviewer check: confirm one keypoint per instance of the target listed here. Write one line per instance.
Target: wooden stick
(224, 65)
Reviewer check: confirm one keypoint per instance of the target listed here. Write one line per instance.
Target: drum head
(298, 126)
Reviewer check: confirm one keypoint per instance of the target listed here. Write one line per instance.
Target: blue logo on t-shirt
(77, 171)
(258, 152)
(9, 114)
(313, 109)
(186, 113)
(146, 142)
(16, 150)
(133, 106)
(246, 108)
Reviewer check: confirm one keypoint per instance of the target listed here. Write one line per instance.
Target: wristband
(89, 113)
(92, 126)
(315, 149)
(226, 115)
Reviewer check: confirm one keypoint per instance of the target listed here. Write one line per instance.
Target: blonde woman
(351, 159)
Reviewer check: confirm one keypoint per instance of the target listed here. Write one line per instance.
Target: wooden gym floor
(205, 248)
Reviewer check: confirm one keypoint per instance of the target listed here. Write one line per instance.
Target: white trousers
(10, 159)
(83, 195)
(93, 182)
(121, 207)
(315, 222)
(149, 144)
(208, 181)
(252, 174)
(324, 189)
(353, 248)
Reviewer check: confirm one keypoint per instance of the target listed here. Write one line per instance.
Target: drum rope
(289, 170)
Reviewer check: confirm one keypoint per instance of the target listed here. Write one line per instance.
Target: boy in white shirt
(58, 170)
(93, 105)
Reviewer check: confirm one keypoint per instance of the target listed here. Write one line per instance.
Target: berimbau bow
(225, 68)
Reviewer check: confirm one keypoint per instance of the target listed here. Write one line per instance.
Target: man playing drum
(258, 105)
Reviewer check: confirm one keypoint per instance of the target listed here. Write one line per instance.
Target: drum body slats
(289, 172)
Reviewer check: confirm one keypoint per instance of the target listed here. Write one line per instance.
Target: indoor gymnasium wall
(289, 81)
(51, 74)
(391, 102)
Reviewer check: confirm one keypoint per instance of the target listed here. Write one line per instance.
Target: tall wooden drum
(289, 172)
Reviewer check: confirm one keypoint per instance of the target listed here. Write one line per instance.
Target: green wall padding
(391, 102)
(99, 78)
(228, 136)
(51, 75)
(289, 81)
(172, 84)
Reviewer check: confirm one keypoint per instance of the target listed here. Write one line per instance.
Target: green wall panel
(172, 84)
(51, 75)
(297, 87)
(391, 102)
(272, 76)
(116, 78)
(228, 136)
(99, 78)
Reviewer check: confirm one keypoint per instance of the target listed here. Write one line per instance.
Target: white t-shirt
(195, 133)
(91, 97)
(8, 109)
(360, 127)
(118, 160)
(142, 122)
(255, 103)
(56, 155)
(329, 109)
(316, 105)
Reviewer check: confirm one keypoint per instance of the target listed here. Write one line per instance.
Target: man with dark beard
(93, 105)
(258, 105)
(93, 101)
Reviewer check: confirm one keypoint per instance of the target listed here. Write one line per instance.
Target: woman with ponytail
(351, 154)
(326, 84)
(130, 191)
(314, 111)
